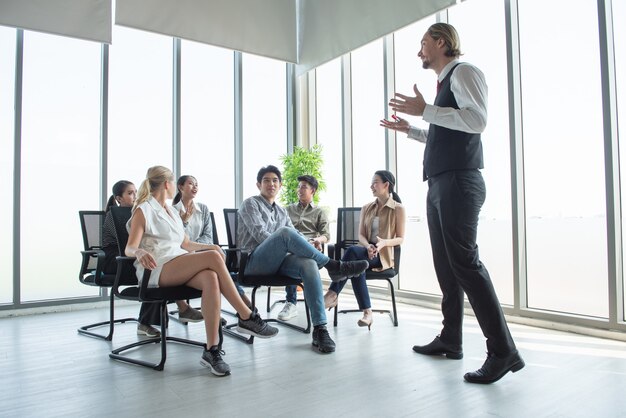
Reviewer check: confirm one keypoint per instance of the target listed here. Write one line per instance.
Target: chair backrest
(348, 226)
(216, 239)
(121, 215)
(348, 232)
(91, 222)
(232, 257)
(230, 217)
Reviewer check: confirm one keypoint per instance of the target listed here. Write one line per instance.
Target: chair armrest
(87, 256)
(331, 251)
(125, 274)
(243, 261)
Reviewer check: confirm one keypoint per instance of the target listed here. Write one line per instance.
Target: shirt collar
(305, 206)
(390, 203)
(447, 69)
(182, 207)
(266, 202)
(154, 203)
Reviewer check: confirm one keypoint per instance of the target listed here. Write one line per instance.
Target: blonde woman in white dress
(158, 241)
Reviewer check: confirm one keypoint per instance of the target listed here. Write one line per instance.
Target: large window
(7, 75)
(140, 104)
(207, 126)
(495, 228)
(264, 117)
(368, 107)
(564, 158)
(411, 187)
(60, 154)
(330, 136)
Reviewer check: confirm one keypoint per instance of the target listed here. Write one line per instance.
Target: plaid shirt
(257, 220)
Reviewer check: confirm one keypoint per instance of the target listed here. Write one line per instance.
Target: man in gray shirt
(312, 222)
(264, 228)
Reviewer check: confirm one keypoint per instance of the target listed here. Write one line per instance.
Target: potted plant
(302, 161)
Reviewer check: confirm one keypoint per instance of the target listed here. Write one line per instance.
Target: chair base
(228, 329)
(115, 354)
(163, 339)
(85, 329)
(276, 302)
(392, 315)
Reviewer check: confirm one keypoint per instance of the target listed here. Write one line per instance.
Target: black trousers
(453, 204)
(150, 314)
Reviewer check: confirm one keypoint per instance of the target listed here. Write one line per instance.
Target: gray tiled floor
(48, 370)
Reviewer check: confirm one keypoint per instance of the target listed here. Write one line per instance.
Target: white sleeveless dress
(162, 238)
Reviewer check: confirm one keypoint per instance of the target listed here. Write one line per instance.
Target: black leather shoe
(495, 367)
(343, 270)
(439, 348)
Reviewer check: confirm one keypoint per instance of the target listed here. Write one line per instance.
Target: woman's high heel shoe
(366, 321)
(330, 300)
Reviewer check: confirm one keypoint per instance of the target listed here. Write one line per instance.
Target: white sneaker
(289, 311)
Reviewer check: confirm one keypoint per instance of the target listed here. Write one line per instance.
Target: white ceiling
(304, 32)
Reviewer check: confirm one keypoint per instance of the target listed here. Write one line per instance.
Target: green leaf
(301, 162)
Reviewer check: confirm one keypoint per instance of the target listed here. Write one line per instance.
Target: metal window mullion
(518, 202)
(238, 129)
(311, 114)
(290, 97)
(346, 110)
(611, 162)
(176, 83)
(104, 132)
(389, 88)
(17, 164)
(104, 123)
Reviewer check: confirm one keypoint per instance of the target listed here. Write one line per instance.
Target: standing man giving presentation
(453, 158)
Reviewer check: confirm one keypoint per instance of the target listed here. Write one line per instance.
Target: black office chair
(126, 286)
(91, 268)
(348, 235)
(237, 260)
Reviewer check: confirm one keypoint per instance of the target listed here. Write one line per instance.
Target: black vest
(447, 149)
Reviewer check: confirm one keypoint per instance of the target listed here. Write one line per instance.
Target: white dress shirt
(470, 92)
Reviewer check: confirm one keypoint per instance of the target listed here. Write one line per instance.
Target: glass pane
(7, 89)
(140, 104)
(495, 226)
(264, 117)
(368, 106)
(207, 126)
(60, 161)
(619, 32)
(411, 187)
(564, 158)
(329, 135)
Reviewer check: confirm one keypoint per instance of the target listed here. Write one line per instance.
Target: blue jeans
(288, 253)
(359, 284)
(291, 294)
